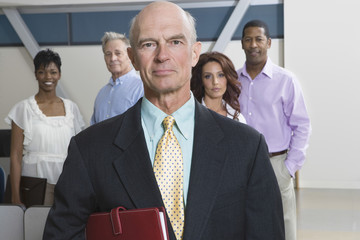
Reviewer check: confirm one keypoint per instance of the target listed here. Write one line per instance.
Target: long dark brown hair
(233, 88)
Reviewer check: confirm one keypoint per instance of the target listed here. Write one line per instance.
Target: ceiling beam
(22, 30)
(231, 26)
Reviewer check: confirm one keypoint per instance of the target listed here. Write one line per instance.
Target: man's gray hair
(109, 36)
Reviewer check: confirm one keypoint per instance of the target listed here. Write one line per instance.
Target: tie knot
(169, 122)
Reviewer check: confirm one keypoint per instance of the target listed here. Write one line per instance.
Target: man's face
(164, 53)
(116, 58)
(255, 45)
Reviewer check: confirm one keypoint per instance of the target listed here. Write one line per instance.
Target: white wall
(321, 45)
(16, 79)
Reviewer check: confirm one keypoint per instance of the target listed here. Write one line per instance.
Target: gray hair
(109, 36)
(191, 21)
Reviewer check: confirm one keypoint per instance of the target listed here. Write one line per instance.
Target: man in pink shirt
(272, 102)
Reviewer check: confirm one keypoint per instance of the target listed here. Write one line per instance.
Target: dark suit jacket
(233, 192)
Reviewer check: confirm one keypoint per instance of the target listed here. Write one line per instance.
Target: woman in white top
(41, 128)
(215, 84)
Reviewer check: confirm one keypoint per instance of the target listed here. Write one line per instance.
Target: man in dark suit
(229, 188)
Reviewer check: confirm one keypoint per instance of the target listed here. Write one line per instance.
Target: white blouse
(46, 139)
(230, 112)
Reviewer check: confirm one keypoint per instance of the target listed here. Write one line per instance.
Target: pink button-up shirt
(273, 104)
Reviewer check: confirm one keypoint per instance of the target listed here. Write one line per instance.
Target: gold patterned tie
(168, 169)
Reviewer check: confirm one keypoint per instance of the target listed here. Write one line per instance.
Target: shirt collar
(122, 78)
(153, 116)
(267, 70)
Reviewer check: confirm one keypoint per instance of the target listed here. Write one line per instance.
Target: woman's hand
(16, 153)
(15, 199)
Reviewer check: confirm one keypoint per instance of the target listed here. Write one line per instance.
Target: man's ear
(269, 42)
(196, 50)
(132, 57)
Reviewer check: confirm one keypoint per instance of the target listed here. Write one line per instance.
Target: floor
(325, 214)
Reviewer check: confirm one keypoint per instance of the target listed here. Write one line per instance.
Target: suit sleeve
(74, 200)
(264, 212)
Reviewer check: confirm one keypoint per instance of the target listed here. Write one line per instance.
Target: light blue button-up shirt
(116, 97)
(151, 119)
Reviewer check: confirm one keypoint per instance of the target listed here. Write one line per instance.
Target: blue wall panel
(8, 36)
(89, 27)
(48, 28)
(210, 21)
(273, 15)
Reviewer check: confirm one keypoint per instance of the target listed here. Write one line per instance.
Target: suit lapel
(133, 165)
(206, 171)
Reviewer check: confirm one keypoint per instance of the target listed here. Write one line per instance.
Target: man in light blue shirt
(125, 87)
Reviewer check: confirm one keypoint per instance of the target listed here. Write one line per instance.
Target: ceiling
(27, 3)
(51, 6)
(54, 3)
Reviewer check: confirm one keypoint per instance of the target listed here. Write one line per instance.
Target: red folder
(121, 224)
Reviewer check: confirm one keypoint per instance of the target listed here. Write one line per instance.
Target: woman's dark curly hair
(233, 88)
(45, 57)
